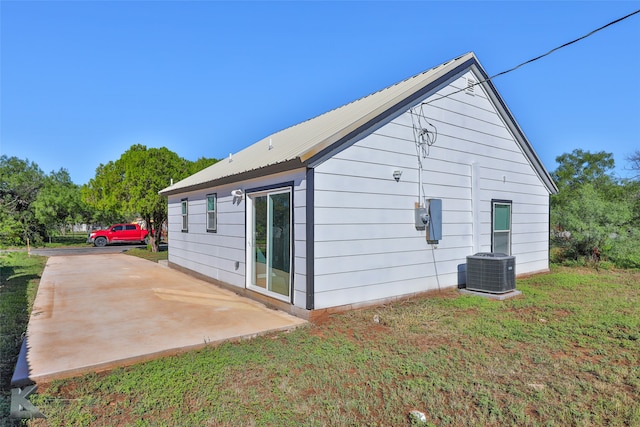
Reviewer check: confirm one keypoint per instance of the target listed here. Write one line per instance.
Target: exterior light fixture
(397, 175)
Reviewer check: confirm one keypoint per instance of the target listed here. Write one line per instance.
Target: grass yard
(68, 240)
(19, 278)
(566, 353)
(163, 254)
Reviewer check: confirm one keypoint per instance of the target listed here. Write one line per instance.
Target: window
(501, 237)
(185, 215)
(212, 221)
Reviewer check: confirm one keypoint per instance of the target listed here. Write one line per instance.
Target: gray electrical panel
(434, 232)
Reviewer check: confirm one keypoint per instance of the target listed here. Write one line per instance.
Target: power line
(539, 56)
(565, 45)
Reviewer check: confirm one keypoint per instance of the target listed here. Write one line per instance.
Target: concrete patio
(97, 312)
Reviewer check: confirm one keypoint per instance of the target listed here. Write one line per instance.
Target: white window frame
(508, 231)
(212, 214)
(184, 213)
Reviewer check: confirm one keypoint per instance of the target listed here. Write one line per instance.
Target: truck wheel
(146, 240)
(100, 241)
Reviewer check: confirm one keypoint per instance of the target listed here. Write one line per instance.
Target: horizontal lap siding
(215, 254)
(211, 254)
(375, 291)
(354, 232)
(300, 240)
(366, 244)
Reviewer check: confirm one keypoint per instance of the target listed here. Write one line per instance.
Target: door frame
(286, 187)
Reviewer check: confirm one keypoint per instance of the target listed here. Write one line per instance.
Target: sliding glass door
(269, 242)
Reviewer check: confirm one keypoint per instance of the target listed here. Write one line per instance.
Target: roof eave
(285, 166)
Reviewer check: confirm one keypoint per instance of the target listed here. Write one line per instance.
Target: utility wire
(539, 56)
(566, 44)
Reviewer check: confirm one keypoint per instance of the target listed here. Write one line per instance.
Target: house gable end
(515, 128)
(313, 158)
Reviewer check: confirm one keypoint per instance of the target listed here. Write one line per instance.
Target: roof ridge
(421, 73)
(294, 145)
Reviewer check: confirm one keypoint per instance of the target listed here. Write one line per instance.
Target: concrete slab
(96, 312)
(500, 297)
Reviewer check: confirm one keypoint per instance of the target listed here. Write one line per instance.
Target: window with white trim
(501, 223)
(185, 215)
(212, 220)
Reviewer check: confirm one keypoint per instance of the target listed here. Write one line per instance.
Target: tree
(147, 172)
(633, 187)
(201, 163)
(59, 203)
(130, 186)
(20, 182)
(593, 213)
(594, 224)
(102, 194)
(580, 167)
(634, 159)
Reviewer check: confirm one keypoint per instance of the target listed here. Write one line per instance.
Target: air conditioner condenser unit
(491, 272)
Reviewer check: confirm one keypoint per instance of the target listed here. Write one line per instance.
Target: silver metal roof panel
(295, 146)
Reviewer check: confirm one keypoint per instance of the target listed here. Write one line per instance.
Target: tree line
(35, 205)
(595, 216)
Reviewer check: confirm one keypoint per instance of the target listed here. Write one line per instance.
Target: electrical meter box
(434, 230)
(422, 218)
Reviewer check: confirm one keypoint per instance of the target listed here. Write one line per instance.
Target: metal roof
(297, 145)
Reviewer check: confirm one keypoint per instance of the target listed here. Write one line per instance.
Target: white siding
(216, 254)
(366, 247)
(366, 244)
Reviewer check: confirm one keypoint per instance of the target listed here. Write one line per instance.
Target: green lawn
(565, 353)
(68, 240)
(19, 278)
(148, 255)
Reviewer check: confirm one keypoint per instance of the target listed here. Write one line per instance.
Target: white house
(325, 215)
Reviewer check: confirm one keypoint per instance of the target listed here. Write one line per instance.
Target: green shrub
(625, 250)
(557, 255)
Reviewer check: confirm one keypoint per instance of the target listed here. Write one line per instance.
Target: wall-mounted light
(397, 175)
(237, 194)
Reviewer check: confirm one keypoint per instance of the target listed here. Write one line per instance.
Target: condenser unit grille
(491, 272)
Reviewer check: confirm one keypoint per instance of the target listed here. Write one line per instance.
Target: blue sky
(82, 81)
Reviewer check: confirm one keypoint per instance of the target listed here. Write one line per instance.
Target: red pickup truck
(119, 233)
